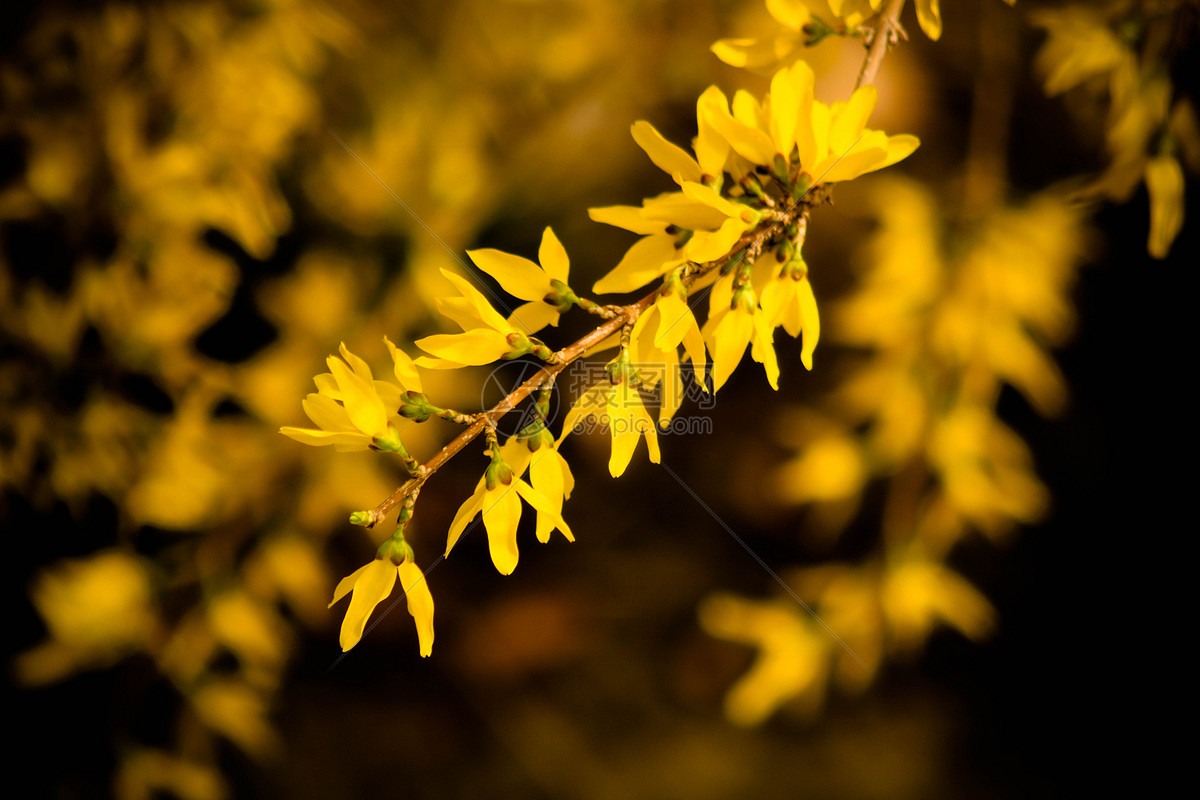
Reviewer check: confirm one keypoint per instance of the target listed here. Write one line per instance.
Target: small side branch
(886, 32)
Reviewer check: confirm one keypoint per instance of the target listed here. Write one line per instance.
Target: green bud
(535, 435)
(389, 442)
(520, 344)
(361, 518)
(396, 549)
(561, 296)
(416, 406)
(497, 473)
(815, 30)
(673, 284)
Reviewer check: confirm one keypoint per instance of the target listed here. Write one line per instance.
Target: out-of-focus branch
(886, 32)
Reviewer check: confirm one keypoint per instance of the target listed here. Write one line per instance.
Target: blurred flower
(97, 610)
(1164, 182)
(791, 662)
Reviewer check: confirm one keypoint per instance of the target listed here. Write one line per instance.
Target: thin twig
(887, 30)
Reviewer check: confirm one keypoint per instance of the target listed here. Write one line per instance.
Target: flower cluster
(733, 228)
(1152, 129)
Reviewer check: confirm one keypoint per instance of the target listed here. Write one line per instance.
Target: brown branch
(887, 31)
(572, 352)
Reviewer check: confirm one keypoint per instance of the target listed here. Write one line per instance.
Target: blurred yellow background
(200, 200)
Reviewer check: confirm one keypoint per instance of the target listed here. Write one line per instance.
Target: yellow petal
(850, 118)
(346, 584)
(1164, 181)
(791, 95)
(490, 316)
(746, 140)
(545, 509)
(518, 276)
(363, 406)
(420, 603)
(466, 512)
(627, 217)
(791, 14)
(677, 209)
(693, 345)
(711, 198)
(762, 349)
(712, 245)
(328, 414)
(812, 322)
(649, 258)
(710, 146)
(547, 475)
(373, 585)
(929, 15)
(404, 368)
(357, 364)
(553, 257)
(668, 157)
(344, 442)
(675, 319)
(592, 403)
(472, 348)
(529, 318)
(728, 343)
(900, 147)
(501, 515)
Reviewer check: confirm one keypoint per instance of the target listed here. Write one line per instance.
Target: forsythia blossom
(486, 336)
(352, 410)
(371, 584)
(498, 497)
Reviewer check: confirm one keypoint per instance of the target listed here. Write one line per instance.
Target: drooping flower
(549, 473)
(788, 300)
(498, 497)
(735, 321)
(371, 584)
(619, 407)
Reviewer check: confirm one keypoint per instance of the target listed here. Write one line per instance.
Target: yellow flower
(661, 249)
(711, 149)
(486, 335)
(1164, 181)
(790, 42)
(549, 474)
(788, 301)
(828, 144)
(917, 594)
(792, 659)
(653, 348)
(498, 497)
(524, 279)
(97, 610)
(353, 411)
(1080, 47)
(619, 407)
(371, 584)
(735, 321)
